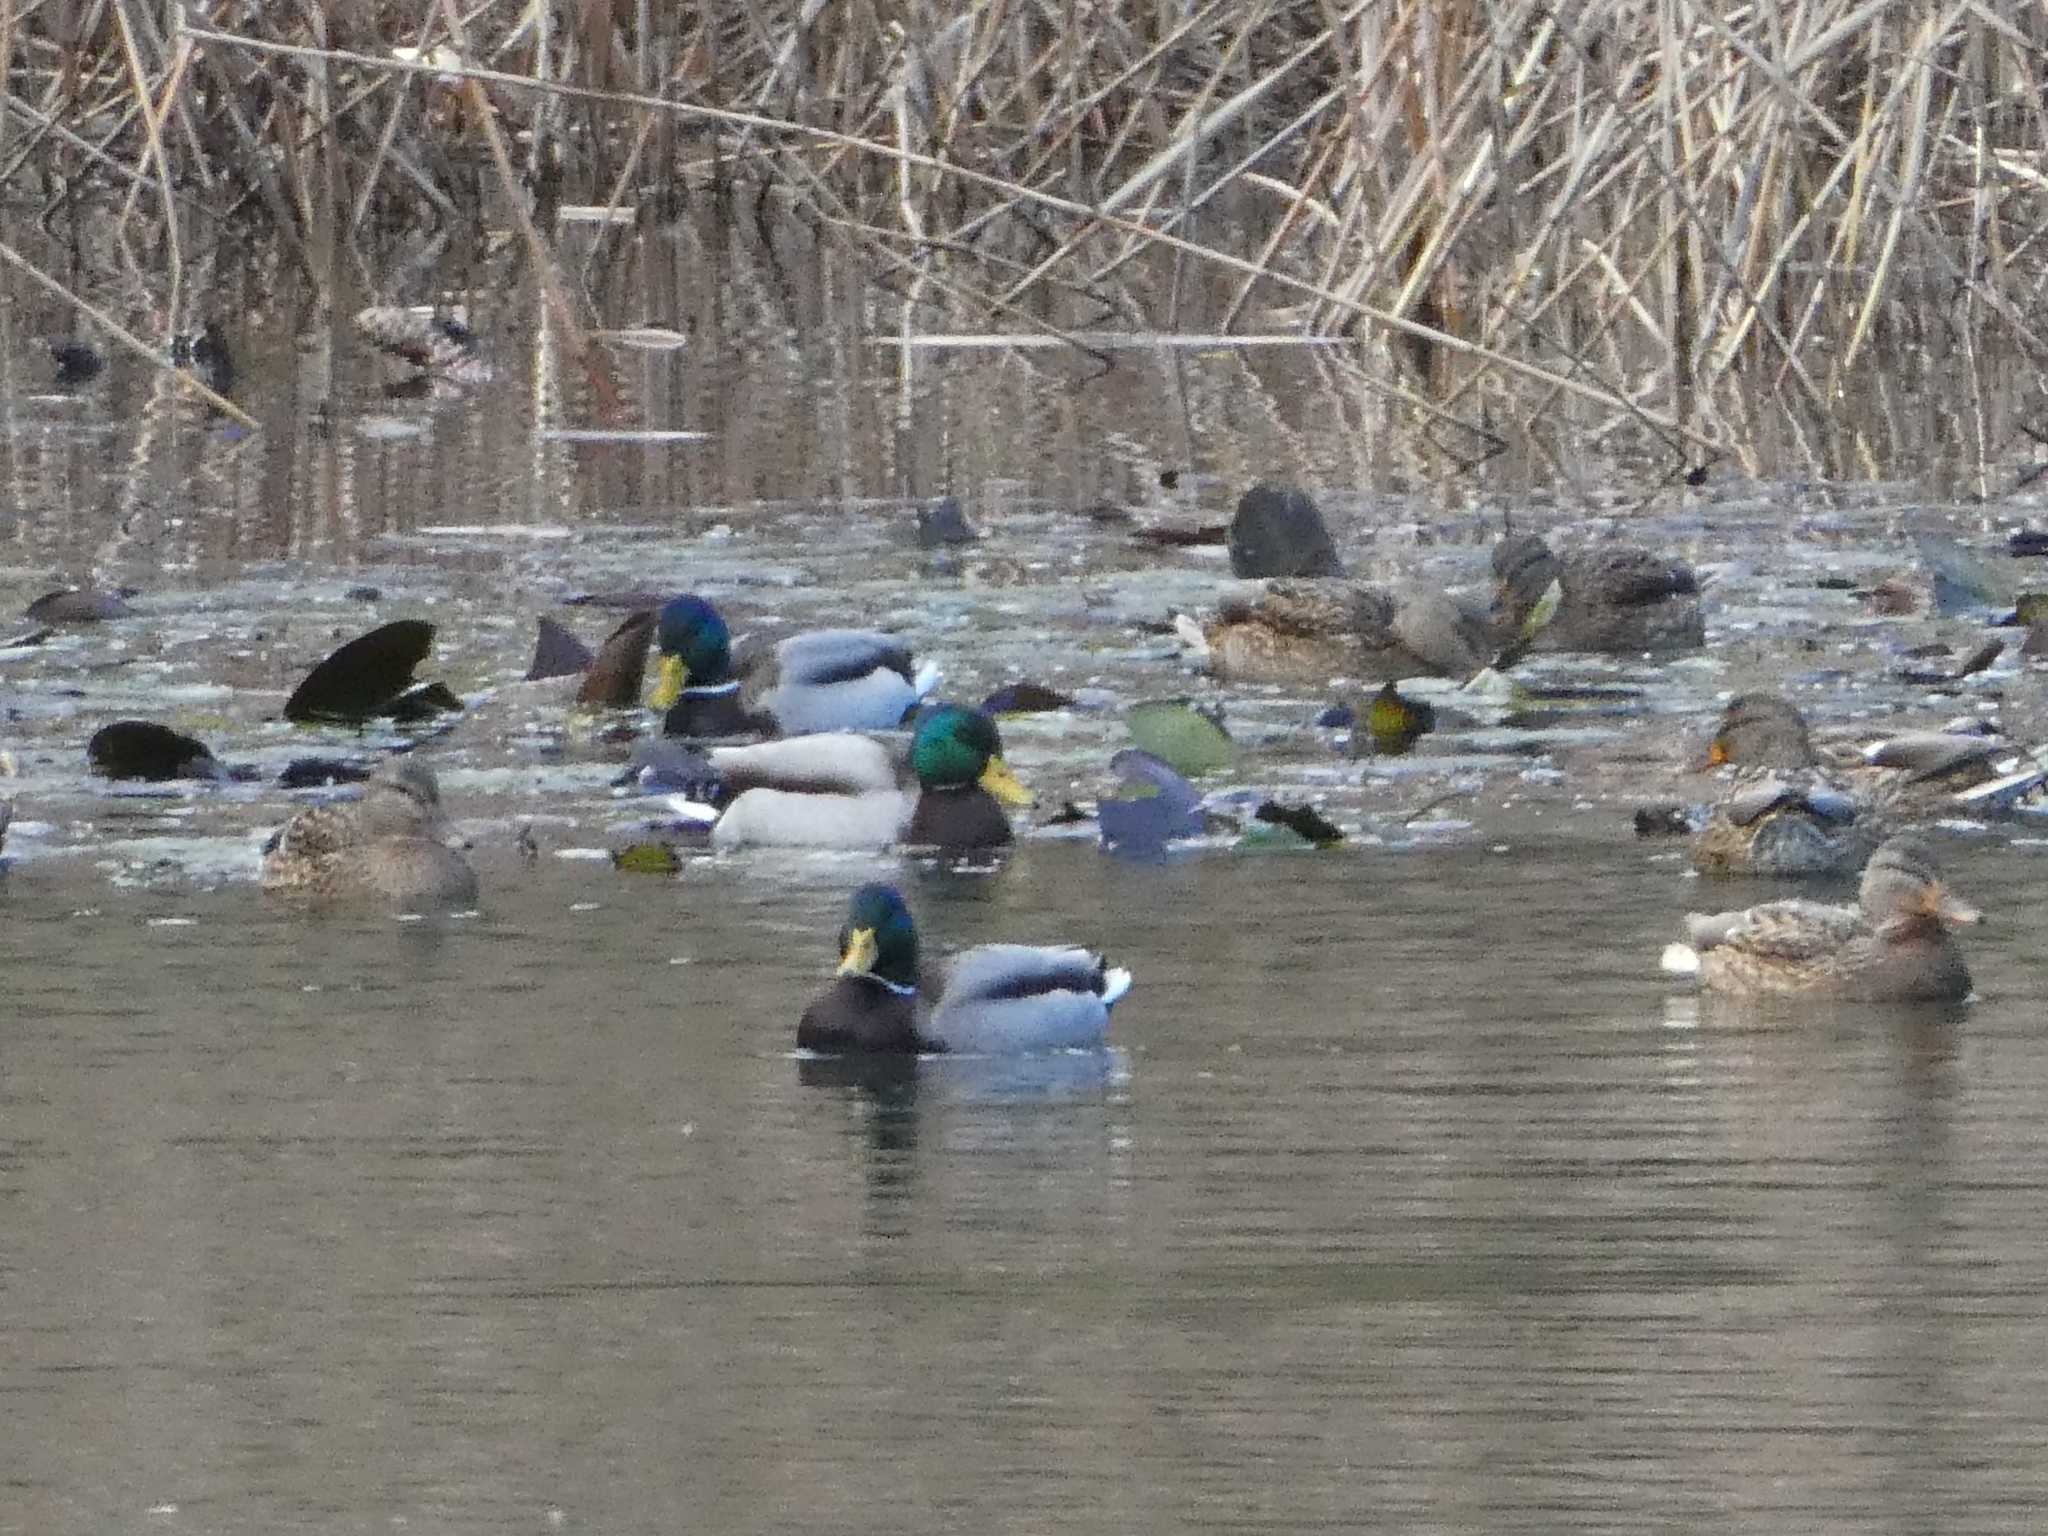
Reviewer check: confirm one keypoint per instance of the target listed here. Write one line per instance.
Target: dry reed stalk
(1653, 208)
(122, 334)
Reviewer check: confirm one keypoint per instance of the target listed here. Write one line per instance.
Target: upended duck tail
(928, 675)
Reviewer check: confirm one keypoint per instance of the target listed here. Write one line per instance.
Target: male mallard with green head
(820, 680)
(997, 999)
(386, 844)
(841, 790)
(1613, 598)
(1894, 945)
(1312, 630)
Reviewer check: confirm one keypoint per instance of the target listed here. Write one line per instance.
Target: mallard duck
(1309, 631)
(1894, 945)
(1761, 730)
(1781, 828)
(820, 680)
(997, 998)
(841, 790)
(385, 844)
(1910, 776)
(1610, 597)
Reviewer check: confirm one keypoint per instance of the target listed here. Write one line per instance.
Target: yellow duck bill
(669, 682)
(858, 956)
(997, 779)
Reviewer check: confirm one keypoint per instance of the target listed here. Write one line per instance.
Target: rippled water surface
(1410, 1197)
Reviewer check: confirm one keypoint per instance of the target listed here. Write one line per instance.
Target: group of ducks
(815, 779)
(774, 746)
(1786, 812)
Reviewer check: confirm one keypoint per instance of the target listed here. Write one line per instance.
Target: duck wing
(1443, 634)
(1024, 997)
(1628, 576)
(306, 842)
(830, 763)
(1790, 931)
(821, 657)
(1924, 755)
(1318, 608)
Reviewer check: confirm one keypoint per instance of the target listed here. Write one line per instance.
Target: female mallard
(386, 844)
(839, 790)
(1611, 598)
(1894, 945)
(1309, 631)
(998, 998)
(1783, 828)
(821, 680)
(1911, 776)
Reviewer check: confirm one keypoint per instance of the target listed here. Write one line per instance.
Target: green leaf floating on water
(1181, 736)
(646, 859)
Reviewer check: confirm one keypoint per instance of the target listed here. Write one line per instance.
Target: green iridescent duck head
(956, 747)
(878, 938)
(695, 648)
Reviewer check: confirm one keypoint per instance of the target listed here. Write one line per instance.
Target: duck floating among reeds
(1612, 598)
(819, 680)
(996, 998)
(435, 341)
(838, 789)
(389, 844)
(1895, 945)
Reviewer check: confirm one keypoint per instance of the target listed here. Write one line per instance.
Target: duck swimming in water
(997, 998)
(841, 790)
(820, 680)
(1895, 945)
(1312, 630)
(1613, 598)
(386, 844)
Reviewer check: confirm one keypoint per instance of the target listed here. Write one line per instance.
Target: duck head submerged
(695, 648)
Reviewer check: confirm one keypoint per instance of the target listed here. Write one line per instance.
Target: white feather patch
(1115, 983)
(781, 818)
(1190, 635)
(1680, 960)
(857, 764)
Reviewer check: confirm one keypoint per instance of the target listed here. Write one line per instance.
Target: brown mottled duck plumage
(385, 845)
(1894, 945)
(1312, 630)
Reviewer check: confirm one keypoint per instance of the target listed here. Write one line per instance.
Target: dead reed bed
(1676, 222)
